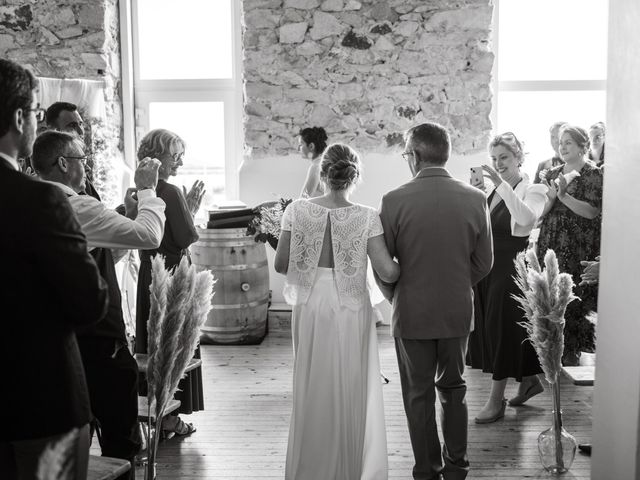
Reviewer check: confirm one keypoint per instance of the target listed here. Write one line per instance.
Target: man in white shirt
(110, 369)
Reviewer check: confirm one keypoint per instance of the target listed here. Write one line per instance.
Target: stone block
(16, 17)
(406, 29)
(381, 11)
(308, 49)
(325, 25)
(94, 62)
(260, 18)
(348, 91)
(58, 18)
(309, 94)
(320, 115)
(383, 44)
(257, 109)
(253, 4)
(47, 37)
(6, 42)
(293, 109)
(352, 5)
(353, 19)
(261, 90)
(293, 32)
(332, 5)
(69, 32)
(461, 19)
(91, 15)
(301, 4)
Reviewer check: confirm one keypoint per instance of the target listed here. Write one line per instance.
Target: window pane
(530, 114)
(201, 126)
(552, 40)
(189, 39)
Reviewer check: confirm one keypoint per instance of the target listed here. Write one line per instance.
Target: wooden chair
(106, 468)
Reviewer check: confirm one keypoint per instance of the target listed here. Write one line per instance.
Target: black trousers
(112, 377)
(426, 366)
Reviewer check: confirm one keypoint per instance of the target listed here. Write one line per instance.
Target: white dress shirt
(106, 228)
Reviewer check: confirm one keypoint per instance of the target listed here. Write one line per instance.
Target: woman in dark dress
(497, 344)
(179, 234)
(571, 227)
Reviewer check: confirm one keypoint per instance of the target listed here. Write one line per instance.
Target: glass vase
(556, 446)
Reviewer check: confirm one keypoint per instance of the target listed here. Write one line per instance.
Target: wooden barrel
(239, 306)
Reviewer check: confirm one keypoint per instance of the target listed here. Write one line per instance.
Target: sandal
(183, 428)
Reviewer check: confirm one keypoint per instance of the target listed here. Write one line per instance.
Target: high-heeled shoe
(494, 418)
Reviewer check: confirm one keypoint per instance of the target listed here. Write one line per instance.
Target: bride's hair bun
(340, 167)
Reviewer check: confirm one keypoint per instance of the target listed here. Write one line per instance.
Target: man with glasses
(112, 372)
(44, 258)
(439, 230)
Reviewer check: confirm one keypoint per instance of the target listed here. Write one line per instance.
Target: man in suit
(438, 228)
(52, 287)
(111, 370)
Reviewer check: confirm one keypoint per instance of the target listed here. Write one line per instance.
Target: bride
(337, 429)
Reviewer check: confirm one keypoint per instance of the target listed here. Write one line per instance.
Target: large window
(551, 66)
(186, 79)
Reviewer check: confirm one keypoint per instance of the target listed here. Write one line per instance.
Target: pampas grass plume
(160, 281)
(57, 459)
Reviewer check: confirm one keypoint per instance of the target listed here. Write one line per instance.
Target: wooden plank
(583, 375)
(106, 468)
(243, 432)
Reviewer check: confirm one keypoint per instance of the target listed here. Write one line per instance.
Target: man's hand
(194, 196)
(130, 203)
(591, 272)
(146, 175)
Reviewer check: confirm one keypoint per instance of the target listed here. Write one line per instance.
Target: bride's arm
(281, 262)
(381, 261)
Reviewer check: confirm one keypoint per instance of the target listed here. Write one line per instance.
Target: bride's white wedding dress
(337, 427)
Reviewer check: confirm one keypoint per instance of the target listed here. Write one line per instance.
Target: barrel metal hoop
(243, 266)
(228, 330)
(236, 306)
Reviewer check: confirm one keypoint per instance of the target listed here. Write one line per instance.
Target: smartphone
(477, 178)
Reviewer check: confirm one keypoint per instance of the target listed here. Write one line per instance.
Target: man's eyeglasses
(82, 159)
(406, 155)
(39, 113)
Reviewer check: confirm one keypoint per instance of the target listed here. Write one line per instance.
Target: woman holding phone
(497, 343)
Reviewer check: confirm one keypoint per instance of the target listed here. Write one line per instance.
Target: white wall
(616, 409)
(284, 176)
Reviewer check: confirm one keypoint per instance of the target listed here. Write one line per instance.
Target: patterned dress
(575, 238)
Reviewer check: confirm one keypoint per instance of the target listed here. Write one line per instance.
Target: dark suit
(51, 286)
(438, 228)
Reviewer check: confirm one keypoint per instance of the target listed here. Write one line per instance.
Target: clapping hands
(194, 196)
(591, 272)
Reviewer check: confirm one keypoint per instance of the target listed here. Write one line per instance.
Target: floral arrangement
(545, 296)
(265, 225)
(180, 303)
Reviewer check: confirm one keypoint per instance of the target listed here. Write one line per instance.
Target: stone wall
(72, 39)
(365, 70)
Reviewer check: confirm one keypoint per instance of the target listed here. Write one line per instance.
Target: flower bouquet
(545, 296)
(265, 225)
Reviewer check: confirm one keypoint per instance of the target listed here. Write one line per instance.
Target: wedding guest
(52, 287)
(570, 226)
(438, 228)
(110, 369)
(498, 343)
(179, 234)
(556, 159)
(337, 426)
(596, 140)
(65, 117)
(311, 143)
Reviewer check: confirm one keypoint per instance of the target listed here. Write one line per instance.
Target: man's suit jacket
(51, 286)
(439, 230)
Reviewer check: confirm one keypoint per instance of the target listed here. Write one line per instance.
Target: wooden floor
(243, 432)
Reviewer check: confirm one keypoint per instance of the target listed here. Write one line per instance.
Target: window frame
(138, 94)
